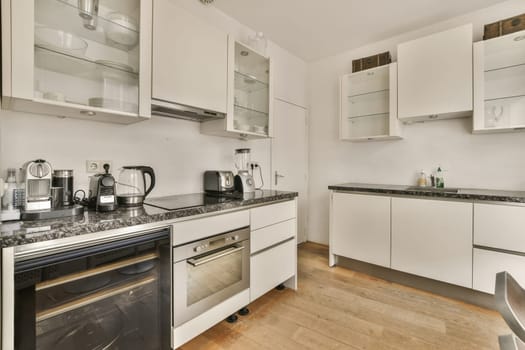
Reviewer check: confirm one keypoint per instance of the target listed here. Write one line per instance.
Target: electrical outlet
(97, 166)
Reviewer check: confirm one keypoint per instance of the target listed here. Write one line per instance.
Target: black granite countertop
(454, 193)
(24, 232)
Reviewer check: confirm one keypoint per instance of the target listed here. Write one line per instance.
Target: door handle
(277, 176)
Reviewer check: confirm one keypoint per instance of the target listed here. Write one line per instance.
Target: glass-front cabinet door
(83, 58)
(368, 110)
(250, 95)
(251, 92)
(499, 84)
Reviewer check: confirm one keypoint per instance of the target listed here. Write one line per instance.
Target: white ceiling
(312, 29)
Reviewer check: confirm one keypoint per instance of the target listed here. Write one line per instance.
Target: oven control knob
(235, 238)
(200, 248)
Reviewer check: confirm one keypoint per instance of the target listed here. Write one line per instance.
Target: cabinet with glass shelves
(369, 105)
(81, 62)
(250, 92)
(499, 84)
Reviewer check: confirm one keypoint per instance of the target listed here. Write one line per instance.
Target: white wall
(174, 148)
(478, 161)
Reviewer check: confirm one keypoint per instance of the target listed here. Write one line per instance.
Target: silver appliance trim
(28, 251)
(7, 309)
(179, 111)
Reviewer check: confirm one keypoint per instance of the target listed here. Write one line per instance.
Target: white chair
(510, 302)
(510, 342)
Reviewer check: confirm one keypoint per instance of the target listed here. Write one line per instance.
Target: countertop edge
(34, 237)
(463, 194)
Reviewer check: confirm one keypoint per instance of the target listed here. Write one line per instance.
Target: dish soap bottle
(422, 180)
(440, 180)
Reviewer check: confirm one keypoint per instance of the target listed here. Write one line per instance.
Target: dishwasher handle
(212, 257)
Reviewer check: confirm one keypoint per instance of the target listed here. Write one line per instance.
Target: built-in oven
(114, 295)
(209, 271)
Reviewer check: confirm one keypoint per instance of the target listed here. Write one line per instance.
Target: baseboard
(436, 287)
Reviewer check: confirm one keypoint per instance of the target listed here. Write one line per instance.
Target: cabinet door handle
(277, 176)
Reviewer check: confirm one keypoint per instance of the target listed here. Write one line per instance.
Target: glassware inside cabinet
(504, 82)
(366, 99)
(251, 96)
(87, 53)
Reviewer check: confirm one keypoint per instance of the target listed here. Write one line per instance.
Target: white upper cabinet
(435, 76)
(190, 61)
(499, 84)
(58, 59)
(368, 105)
(250, 95)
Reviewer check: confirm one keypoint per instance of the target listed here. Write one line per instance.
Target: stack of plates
(109, 103)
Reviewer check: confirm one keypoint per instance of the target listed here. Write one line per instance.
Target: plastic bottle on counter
(422, 179)
(10, 187)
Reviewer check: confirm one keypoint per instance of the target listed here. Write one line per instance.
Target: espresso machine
(244, 179)
(38, 178)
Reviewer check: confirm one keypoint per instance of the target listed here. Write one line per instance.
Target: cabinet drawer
(272, 214)
(269, 235)
(499, 226)
(488, 263)
(271, 267)
(193, 230)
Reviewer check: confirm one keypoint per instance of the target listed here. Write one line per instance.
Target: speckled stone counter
(25, 232)
(462, 193)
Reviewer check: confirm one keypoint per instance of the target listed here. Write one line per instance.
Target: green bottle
(440, 180)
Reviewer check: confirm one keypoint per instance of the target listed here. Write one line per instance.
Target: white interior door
(290, 157)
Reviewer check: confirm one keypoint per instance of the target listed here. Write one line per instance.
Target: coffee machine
(38, 178)
(243, 180)
(102, 191)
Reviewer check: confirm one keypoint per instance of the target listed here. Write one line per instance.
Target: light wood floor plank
(336, 308)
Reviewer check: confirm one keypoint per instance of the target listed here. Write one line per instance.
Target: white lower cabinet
(273, 258)
(499, 226)
(273, 244)
(499, 243)
(360, 227)
(433, 238)
(488, 263)
(271, 267)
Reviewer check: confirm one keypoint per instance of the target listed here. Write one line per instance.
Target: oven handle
(212, 257)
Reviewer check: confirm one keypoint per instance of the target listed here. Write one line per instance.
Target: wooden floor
(336, 308)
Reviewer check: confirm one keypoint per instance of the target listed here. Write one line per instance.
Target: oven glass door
(109, 299)
(204, 281)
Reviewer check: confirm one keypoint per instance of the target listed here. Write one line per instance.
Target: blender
(243, 180)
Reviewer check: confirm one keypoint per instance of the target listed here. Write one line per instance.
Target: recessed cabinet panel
(78, 63)
(433, 238)
(488, 263)
(360, 228)
(271, 267)
(435, 76)
(499, 226)
(190, 59)
(369, 105)
(499, 84)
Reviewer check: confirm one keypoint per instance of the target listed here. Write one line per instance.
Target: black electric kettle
(131, 185)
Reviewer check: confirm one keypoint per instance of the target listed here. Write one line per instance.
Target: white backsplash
(176, 149)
